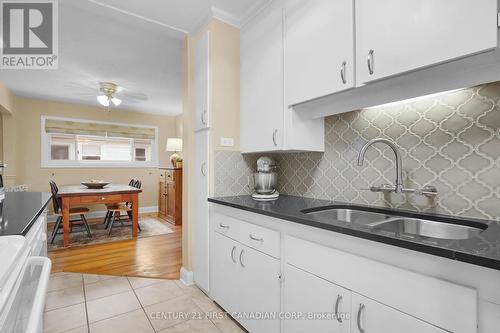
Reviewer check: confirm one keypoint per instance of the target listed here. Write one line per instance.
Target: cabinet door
(225, 270)
(260, 289)
(261, 77)
(162, 200)
(201, 81)
(319, 48)
(200, 226)
(405, 34)
(306, 293)
(170, 204)
(370, 316)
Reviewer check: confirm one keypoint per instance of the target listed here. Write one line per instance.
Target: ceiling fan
(108, 94)
(108, 90)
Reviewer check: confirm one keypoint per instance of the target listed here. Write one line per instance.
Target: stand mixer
(265, 180)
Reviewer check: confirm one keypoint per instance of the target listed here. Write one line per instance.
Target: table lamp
(175, 145)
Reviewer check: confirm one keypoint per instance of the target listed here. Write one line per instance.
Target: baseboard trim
(186, 276)
(102, 213)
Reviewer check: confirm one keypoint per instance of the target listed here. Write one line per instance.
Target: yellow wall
(29, 171)
(224, 108)
(6, 99)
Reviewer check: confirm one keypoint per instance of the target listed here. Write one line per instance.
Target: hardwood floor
(156, 256)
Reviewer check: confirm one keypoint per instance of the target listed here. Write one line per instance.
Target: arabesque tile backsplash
(451, 141)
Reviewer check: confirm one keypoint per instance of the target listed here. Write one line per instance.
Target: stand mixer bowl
(265, 182)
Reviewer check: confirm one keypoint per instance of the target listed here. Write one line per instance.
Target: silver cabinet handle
(232, 254)
(342, 72)
(202, 169)
(203, 117)
(241, 260)
(223, 226)
(370, 62)
(275, 140)
(252, 237)
(337, 303)
(360, 310)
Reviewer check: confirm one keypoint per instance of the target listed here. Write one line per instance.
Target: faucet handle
(381, 188)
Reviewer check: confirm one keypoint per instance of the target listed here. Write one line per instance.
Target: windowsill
(90, 165)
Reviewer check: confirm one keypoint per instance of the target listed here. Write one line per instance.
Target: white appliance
(23, 286)
(37, 236)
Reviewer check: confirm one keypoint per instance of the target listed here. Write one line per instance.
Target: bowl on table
(94, 184)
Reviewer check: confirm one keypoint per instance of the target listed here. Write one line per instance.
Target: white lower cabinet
(258, 271)
(307, 296)
(246, 283)
(326, 307)
(225, 272)
(369, 316)
(260, 290)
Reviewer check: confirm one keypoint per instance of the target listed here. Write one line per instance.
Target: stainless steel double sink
(400, 225)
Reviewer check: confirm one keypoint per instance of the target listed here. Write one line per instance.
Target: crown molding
(217, 14)
(144, 18)
(254, 10)
(233, 20)
(225, 17)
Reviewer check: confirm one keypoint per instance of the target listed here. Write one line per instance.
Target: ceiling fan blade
(132, 95)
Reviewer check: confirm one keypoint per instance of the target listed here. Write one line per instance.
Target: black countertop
(19, 210)
(482, 250)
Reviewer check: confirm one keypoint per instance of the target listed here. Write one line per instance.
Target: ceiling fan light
(103, 100)
(116, 101)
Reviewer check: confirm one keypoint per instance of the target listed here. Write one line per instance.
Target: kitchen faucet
(398, 188)
(399, 164)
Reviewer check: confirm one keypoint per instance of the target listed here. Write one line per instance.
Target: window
(78, 143)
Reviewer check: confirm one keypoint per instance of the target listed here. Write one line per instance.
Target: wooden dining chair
(75, 211)
(117, 210)
(108, 211)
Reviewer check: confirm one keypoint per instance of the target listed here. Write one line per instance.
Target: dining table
(80, 195)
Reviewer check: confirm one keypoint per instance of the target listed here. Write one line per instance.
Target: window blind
(97, 129)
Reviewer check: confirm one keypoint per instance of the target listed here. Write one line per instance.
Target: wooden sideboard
(170, 195)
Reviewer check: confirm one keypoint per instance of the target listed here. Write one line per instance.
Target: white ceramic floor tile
(68, 280)
(106, 287)
(93, 278)
(204, 302)
(192, 290)
(64, 319)
(158, 292)
(111, 306)
(131, 322)
(227, 325)
(193, 326)
(64, 297)
(82, 329)
(172, 312)
(143, 282)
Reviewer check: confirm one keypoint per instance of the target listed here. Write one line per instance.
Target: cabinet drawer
(105, 198)
(260, 238)
(226, 225)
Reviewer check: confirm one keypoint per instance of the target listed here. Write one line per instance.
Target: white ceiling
(136, 44)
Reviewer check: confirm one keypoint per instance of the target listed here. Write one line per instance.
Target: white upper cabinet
(201, 81)
(261, 75)
(397, 36)
(319, 48)
(265, 123)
